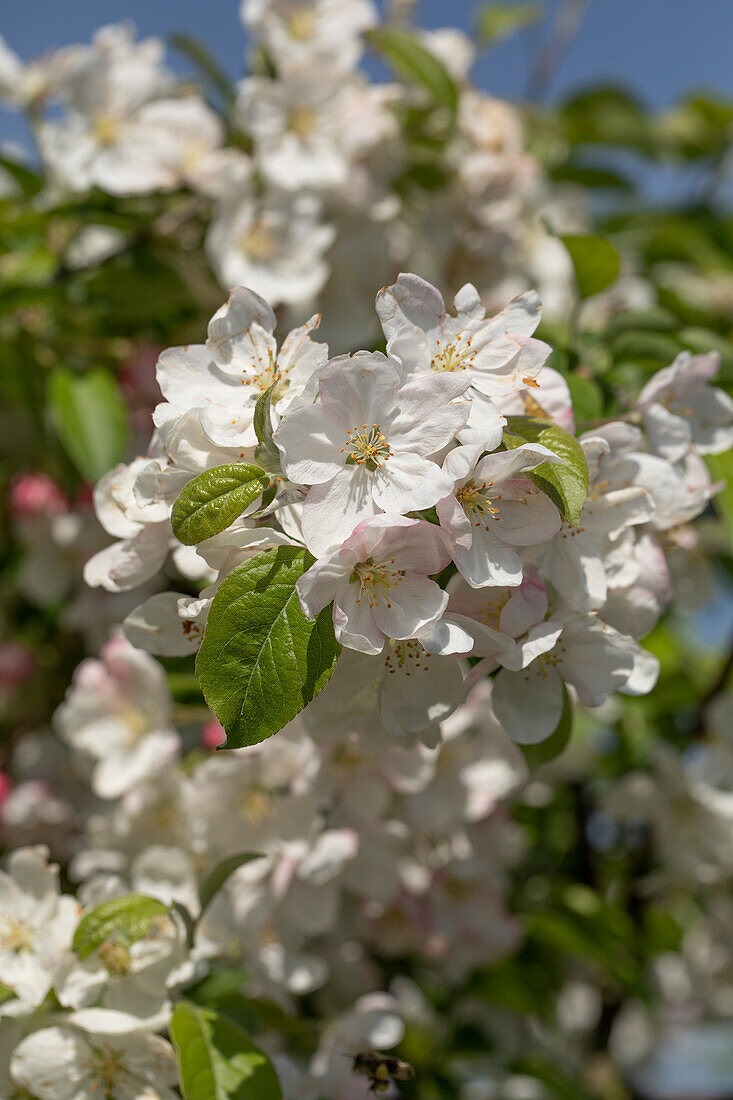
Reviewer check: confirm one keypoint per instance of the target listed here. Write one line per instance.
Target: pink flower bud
(17, 664)
(212, 735)
(36, 494)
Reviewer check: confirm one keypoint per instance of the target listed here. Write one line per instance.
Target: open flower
(492, 509)
(66, 1063)
(239, 361)
(36, 924)
(580, 649)
(118, 713)
(364, 446)
(681, 410)
(379, 582)
(497, 354)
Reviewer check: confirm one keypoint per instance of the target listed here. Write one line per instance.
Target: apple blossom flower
(498, 354)
(295, 124)
(379, 582)
(365, 445)
(493, 509)
(117, 714)
(309, 34)
(275, 244)
(240, 360)
(681, 410)
(122, 131)
(64, 1062)
(36, 924)
(581, 650)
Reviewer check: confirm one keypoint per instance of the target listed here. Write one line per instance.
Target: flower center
(406, 656)
(366, 446)
(477, 504)
(258, 242)
(376, 579)
(257, 806)
(106, 1070)
(16, 936)
(115, 958)
(106, 130)
(303, 122)
(302, 24)
(451, 357)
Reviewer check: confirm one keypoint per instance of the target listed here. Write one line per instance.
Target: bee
(381, 1069)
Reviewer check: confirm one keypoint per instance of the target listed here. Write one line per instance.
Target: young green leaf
(214, 881)
(566, 483)
(596, 262)
(216, 1060)
(90, 418)
(557, 742)
(497, 21)
(266, 452)
(206, 64)
(261, 660)
(412, 61)
(214, 499)
(126, 919)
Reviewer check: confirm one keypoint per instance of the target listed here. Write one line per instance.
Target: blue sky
(660, 48)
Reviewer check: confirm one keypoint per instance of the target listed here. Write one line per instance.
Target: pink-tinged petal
(416, 545)
(487, 561)
(312, 445)
(454, 521)
(323, 581)
(354, 623)
(525, 607)
(526, 515)
(409, 483)
(359, 389)
(332, 511)
(528, 704)
(412, 604)
(410, 303)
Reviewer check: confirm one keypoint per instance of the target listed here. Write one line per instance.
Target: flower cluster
(438, 514)
(321, 167)
(347, 856)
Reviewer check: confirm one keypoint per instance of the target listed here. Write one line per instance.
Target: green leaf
(721, 469)
(497, 21)
(266, 452)
(90, 418)
(214, 499)
(261, 660)
(216, 1060)
(596, 262)
(556, 743)
(586, 396)
(126, 919)
(28, 181)
(567, 484)
(413, 62)
(206, 64)
(214, 881)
